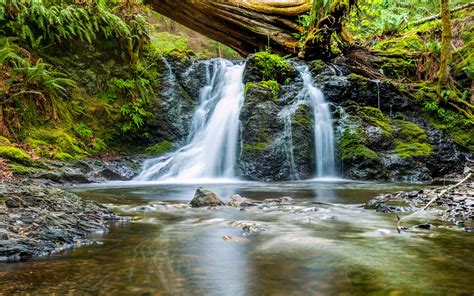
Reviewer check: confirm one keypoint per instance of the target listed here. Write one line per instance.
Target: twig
(399, 220)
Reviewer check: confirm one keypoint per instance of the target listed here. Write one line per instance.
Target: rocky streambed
(37, 221)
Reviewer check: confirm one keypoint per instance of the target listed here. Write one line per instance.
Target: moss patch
(411, 140)
(272, 66)
(255, 146)
(352, 145)
(159, 149)
(15, 154)
(375, 117)
(55, 143)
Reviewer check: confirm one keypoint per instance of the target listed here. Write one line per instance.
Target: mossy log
(252, 25)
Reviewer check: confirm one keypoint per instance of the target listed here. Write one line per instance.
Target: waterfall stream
(213, 140)
(211, 149)
(323, 130)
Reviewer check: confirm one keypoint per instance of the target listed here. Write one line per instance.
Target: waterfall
(323, 130)
(211, 149)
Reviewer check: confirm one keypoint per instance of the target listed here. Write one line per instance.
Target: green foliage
(15, 154)
(274, 87)
(55, 143)
(31, 89)
(54, 22)
(159, 149)
(19, 169)
(82, 130)
(458, 127)
(271, 66)
(388, 17)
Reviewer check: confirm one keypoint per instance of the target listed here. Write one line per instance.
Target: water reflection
(328, 248)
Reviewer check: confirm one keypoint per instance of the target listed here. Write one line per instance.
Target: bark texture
(244, 25)
(446, 53)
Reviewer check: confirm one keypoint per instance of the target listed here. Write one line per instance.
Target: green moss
(411, 140)
(410, 149)
(63, 156)
(159, 149)
(255, 146)
(352, 145)
(52, 142)
(15, 154)
(271, 66)
(4, 141)
(376, 117)
(22, 170)
(317, 66)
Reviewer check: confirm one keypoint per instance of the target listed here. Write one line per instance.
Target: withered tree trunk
(246, 26)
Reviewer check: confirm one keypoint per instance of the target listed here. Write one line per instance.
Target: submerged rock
(204, 198)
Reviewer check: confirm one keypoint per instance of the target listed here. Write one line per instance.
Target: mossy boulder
(15, 154)
(264, 66)
(160, 148)
(55, 143)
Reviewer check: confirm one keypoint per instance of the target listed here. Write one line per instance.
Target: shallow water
(322, 244)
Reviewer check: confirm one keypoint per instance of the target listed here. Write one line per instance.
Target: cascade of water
(211, 149)
(323, 130)
(377, 82)
(286, 116)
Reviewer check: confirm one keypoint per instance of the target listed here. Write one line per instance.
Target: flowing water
(322, 244)
(211, 150)
(323, 129)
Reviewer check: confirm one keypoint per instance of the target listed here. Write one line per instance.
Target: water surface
(322, 244)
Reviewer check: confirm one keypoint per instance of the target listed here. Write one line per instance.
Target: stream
(322, 243)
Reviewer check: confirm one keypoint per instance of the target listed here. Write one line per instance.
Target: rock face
(205, 198)
(379, 132)
(86, 170)
(178, 89)
(35, 221)
(277, 141)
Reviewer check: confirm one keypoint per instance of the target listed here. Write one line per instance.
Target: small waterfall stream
(211, 149)
(323, 130)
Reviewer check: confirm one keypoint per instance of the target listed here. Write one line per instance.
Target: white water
(323, 130)
(211, 149)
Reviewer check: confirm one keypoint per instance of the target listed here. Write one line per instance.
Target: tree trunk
(252, 25)
(446, 53)
(244, 25)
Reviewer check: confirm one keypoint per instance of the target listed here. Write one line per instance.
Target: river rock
(37, 221)
(204, 198)
(238, 201)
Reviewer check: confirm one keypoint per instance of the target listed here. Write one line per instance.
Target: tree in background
(446, 53)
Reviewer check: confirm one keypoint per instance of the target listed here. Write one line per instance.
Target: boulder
(238, 201)
(205, 198)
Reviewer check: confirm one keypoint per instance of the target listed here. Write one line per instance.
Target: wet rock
(13, 203)
(248, 226)
(205, 198)
(238, 201)
(38, 221)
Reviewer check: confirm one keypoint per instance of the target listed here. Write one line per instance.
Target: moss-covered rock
(411, 140)
(15, 154)
(264, 66)
(159, 149)
(55, 143)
